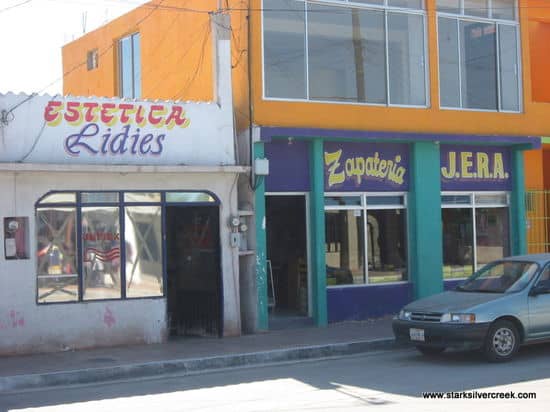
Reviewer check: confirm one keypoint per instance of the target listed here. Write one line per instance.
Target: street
(389, 380)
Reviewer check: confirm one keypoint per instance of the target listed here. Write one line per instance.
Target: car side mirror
(539, 290)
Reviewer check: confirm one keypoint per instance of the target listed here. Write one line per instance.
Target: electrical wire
(15, 5)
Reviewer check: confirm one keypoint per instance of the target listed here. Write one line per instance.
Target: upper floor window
(360, 51)
(129, 64)
(479, 54)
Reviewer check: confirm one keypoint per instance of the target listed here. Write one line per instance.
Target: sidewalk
(193, 355)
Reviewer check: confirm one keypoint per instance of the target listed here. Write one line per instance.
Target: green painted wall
(425, 242)
(317, 234)
(518, 227)
(261, 246)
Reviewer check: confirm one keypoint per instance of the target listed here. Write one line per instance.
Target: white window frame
(473, 206)
(364, 208)
(351, 4)
(497, 22)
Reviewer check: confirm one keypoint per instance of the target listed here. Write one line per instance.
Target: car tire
(430, 350)
(502, 341)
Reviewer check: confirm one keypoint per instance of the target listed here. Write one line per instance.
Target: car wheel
(502, 341)
(430, 350)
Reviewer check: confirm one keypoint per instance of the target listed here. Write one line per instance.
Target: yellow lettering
(332, 161)
(449, 171)
(498, 167)
(483, 166)
(466, 164)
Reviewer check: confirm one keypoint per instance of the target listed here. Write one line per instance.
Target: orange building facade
(365, 109)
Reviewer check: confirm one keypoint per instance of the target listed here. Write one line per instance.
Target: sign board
(44, 129)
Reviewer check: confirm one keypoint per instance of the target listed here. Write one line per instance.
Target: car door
(539, 308)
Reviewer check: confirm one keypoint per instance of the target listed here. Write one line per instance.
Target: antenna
(84, 19)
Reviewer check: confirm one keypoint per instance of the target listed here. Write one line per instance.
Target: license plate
(416, 334)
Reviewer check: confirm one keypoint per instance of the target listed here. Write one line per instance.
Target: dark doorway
(287, 260)
(194, 271)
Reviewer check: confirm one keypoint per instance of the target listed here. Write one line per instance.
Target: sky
(32, 33)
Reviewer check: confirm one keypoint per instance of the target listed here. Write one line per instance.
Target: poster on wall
(16, 238)
(366, 166)
(475, 168)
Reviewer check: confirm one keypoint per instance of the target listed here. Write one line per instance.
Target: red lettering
(106, 117)
(152, 119)
(51, 112)
(124, 118)
(90, 109)
(177, 116)
(72, 114)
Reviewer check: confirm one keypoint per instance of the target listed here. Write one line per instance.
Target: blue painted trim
(268, 133)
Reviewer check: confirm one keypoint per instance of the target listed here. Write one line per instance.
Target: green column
(518, 235)
(317, 234)
(261, 245)
(425, 231)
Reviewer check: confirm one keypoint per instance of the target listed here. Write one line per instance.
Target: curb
(189, 366)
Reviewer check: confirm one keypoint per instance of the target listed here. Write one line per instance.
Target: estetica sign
(116, 131)
(111, 129)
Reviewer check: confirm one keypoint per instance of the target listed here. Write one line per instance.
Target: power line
(15, 5)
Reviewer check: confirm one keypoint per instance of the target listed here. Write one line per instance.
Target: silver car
(503, 305)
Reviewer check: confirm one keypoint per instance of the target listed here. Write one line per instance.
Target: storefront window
(101, 252)
(57, 271)
(142, 228)
(465, 249)
(351, 240)
(103, 245)
(491, 234)
(345, 251)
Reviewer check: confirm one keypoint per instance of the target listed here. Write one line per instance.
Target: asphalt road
(385, 381)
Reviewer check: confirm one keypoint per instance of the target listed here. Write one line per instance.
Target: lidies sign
(115, 128)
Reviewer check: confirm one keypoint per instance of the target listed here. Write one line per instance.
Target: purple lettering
(145, 145)
(74, 143)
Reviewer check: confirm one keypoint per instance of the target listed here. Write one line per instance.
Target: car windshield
(500, 277)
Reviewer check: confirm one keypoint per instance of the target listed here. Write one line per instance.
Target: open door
(194, 270)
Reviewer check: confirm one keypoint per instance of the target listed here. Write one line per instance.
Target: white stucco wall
(28, 327)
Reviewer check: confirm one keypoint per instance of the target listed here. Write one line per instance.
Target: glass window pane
(492, 199)
(136, 54)
(142, 234)
(407, 78)
(509, 76)
(449, 65)
(284, 49)
(101, 252)
(492, 234)
(504, 9)
(187, 197)
(478, 8)
(456, 199)
(386, 245)
(377, 2)
(343, 201)
(125, 67)
(385, 201)
(57, 271)
(59, 198)
(478, 68)
(346, 54)
(458, 246)
(409, 4)
(448, 6)
(99, 197)
(344, 247)
(142, 197)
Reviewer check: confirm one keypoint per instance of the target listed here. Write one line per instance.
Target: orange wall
(533, 160)
(176, 55)
(433, 119)
(539, 34)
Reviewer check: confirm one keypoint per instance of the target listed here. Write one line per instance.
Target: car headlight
(405, 314)
(458, 318)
